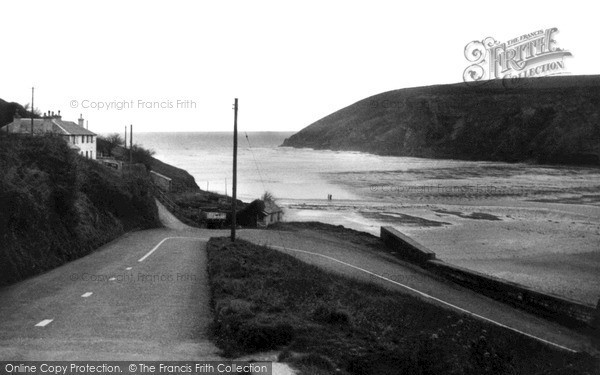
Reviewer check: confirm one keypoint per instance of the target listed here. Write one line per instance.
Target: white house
(79, 138)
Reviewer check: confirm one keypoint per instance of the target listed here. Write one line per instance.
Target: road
(145, 296)
(157, 308)
(357, 261)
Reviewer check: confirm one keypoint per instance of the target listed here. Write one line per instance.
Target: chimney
(16, 122)
(80, 120)
(58, 116)
(47, 122)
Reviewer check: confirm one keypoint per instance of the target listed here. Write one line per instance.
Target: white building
(78, 137)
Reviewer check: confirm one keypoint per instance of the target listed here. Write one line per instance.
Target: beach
(531, 224)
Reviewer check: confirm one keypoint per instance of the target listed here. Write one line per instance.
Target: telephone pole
(234, 187)
(32, 110)
(130, 142)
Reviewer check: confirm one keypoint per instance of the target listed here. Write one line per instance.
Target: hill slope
(182, 180)
(554, 120)
(56, 206)
(8, 110)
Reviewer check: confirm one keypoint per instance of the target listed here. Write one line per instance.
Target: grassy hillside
(57, 206)
(328, 324)
(181, 179)
(548, 120)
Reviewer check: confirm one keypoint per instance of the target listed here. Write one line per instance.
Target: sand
(537, 226)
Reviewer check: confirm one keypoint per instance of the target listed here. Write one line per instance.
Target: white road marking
(86, 294)
(163, 240)
(430, 297)
(44, 323)
(128, 268)
(112, 279)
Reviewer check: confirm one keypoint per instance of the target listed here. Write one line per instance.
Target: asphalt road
(109, 305)
(353, 260)
(145, 296)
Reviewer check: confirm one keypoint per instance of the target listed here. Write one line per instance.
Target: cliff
(545, 120)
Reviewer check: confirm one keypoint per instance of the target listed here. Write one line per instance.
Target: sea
(537, 225)
(303, 180)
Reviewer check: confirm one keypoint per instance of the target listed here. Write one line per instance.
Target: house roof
(161, 175)
(271, 208)
(73, 128)
(58, 126)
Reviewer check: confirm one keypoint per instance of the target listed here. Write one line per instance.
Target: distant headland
(542, 120)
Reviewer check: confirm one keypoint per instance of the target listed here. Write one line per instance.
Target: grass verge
(325, 323)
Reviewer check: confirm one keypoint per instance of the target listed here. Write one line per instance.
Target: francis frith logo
(530, 55)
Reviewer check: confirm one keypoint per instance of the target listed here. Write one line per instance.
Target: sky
(178, 65)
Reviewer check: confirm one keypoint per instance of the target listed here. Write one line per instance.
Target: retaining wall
(405, 247)
(557, 308)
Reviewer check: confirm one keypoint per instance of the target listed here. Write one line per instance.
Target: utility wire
(255, 162)
(258, 169)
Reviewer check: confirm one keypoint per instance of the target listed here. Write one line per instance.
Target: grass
(324, 323)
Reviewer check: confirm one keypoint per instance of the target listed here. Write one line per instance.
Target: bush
(58, 206)
(257, 336)
(328, 315)
(143, 156)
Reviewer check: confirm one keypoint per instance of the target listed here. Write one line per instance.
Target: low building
(79, 138)
(270, 214)
(213, 218)
(161, 181)
(111, 163)
(259, 214)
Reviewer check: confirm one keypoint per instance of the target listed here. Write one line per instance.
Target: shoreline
(552, 248)
(540, 226)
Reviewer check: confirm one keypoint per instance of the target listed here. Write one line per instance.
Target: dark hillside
(545, 120)
(56, 206)
(8, 110)
(182, 180)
